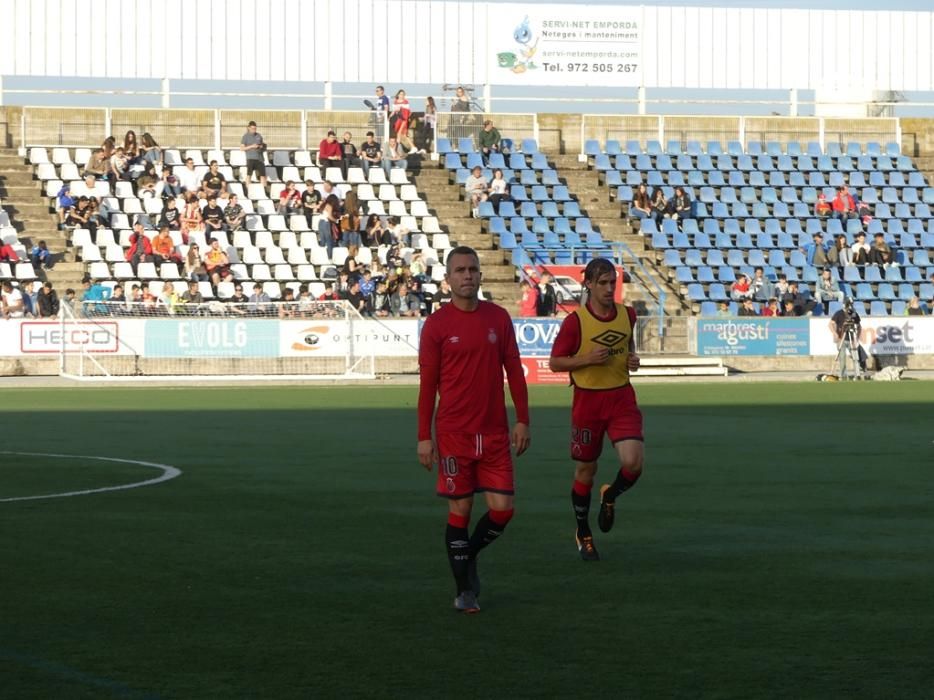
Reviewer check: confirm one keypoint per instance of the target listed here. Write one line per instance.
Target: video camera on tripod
(849, 352)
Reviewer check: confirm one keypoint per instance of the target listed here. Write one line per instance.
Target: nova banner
(551, 44)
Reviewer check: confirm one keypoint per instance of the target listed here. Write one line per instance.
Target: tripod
(848, 356)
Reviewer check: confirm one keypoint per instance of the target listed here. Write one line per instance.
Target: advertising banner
(537, 372)
(753, 336)
(895, 335)
(322, 338)
(535, 336)
(205, 337)
(104, 337)
(550, 44)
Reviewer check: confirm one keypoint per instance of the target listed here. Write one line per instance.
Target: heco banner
(726, 337)
(50, 336)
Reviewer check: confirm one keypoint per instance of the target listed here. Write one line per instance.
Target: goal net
(215, 340)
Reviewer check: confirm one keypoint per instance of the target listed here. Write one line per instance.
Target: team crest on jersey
(609, 338)
(492, 336)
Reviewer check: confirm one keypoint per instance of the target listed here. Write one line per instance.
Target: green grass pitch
(779, 545)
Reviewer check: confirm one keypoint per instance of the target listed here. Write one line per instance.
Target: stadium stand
(756, 207)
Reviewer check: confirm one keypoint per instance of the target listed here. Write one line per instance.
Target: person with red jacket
(401, 112)
(330, 153)
(140, 249)
(844, 207)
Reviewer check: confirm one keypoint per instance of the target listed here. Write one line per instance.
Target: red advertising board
(537, 372)
(568, 279)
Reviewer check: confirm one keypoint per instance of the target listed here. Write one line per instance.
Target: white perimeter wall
(437, 41)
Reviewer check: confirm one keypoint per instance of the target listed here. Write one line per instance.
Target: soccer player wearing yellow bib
(595, 345)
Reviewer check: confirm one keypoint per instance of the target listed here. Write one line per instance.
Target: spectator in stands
(788, 308)
(350, 221)
(192, 297)
(914, 307)
(8, 253)
(528, 302)
(400, 235)
(12, 301)
(47, 305)
(349, 158)
(97, 168)
(418, 270)
(327, 191)
(741, 288)
(489, 140)
(859, 251)
(355, 297)
(217, 263)
(65, 202)
(188, 177)
(130, 147)
(150, 154)
(843, 205)
(329, 151)
(306, 304)
(781, 287)
(233, 214)
(120, 165)
(260, 303)
(146, 187)
(168, 298)
(381, 307)
(192, 218)
(682, 207)
(163, 247)
(373, 231)
(350, 267)
(311, 200)
(547, 297)
(213, 217)
(171, 217)
(840, 254)
(723, 310)
(800, 300)
(95, 219)
(881, 253)
(382, 100)
(864, 211)
(399, 121)
(117, 304)
(70, 300)
(30, 298)
(95, 297)
(288, 308)
(771, 308)
(499, 189)
(290, 200)
(816, 251)
(828, 289)
(441, 297)
(41, 257)
(329, 232)
(395, 156)
(238, 300)
(659, 206)
(140, 249)
(254, 146)
(79, 216)
(641, 206)
(476, 188)
(431, 113)
(422, 133)
(214, 182)
(371, 153)
(461, 102)
(405, 303)
(330, 294)
(171, 185)
(194, 265)
(822, 208)
(762, 288)
(747, 308)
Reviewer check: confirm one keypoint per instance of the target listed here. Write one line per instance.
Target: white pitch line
(168, 472)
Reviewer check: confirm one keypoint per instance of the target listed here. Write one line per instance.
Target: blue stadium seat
(683, 275)
(539, 161)
(517, 192)
(624, 193)
(452, 161)
(871, 274)
(743, 240)
(507, 208)
(726, 275)
(560, 193)
(696, 292)
(540, 225)
(717, 292)
(592, 147)
(562, 225)
(497, 224)
(571, 238)
(465, 145)
(529, 240)
(705, 163)
(517, 161)
(529, 146)
(777, 258)
(660, 241)
(612, 147)
(633, 147)
(906, 291)
(507, 241)
(878, 308)
(485, 210)
(517, 225)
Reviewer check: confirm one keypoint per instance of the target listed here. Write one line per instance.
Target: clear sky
(925, 5)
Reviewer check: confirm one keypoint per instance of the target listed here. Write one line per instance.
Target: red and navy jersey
(461, 356)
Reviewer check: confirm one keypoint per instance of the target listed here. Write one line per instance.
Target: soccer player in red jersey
(464, 347)
(595, 345)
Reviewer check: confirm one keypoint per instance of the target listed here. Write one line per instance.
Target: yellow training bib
(614, 334)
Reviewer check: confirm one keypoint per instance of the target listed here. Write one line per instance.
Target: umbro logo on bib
(609, 338)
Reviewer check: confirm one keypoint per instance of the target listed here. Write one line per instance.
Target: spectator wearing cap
(330, 153)
(816, 251)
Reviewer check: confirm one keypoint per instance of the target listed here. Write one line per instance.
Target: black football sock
(580, 499)
(458, 544)
(489, 527)
(625, 480)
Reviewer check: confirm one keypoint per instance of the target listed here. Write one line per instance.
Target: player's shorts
(255, 166)
(598, 413)
(470, 463)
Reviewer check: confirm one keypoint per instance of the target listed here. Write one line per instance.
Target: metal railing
(701, 128)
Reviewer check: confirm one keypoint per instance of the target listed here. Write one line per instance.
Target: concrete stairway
(444, 199)
(32, 216)
(606, 217)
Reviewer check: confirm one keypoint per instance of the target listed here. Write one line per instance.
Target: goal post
(102, 340)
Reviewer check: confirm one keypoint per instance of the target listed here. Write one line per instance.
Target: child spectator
(528, 303)
(822, 207)
(65, 203)
(40, 256)
(290, 200)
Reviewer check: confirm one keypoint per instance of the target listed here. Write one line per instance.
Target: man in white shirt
(188, 177)
(12, 301)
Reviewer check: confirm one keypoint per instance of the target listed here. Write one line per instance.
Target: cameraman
(847, 329)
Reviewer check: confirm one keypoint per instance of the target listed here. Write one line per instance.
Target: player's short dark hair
(460, 250)
(596, 268)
